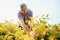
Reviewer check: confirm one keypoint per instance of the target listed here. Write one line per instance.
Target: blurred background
(10, 8)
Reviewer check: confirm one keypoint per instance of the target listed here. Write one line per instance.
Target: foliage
(43, 30)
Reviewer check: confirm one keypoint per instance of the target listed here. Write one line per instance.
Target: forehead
(23, 8)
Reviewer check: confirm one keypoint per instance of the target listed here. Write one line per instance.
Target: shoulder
(29, 11)
(19, 16)
(19, 13)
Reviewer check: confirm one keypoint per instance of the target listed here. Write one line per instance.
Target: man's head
(23, 8)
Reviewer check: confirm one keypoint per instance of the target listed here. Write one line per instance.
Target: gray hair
(23, 5)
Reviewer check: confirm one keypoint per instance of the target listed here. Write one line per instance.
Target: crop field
(43, 30)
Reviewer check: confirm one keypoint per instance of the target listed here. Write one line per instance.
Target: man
(24, 15)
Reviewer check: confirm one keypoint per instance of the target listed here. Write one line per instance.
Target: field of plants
(43, 30)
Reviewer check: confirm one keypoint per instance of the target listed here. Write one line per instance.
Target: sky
(10, 8)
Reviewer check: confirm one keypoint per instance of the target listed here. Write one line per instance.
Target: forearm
(26, 28)
(21, 22)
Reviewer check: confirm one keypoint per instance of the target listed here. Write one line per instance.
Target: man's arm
(21, 22)
(32, 34)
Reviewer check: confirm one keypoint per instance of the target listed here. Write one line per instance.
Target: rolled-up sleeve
(19, 16)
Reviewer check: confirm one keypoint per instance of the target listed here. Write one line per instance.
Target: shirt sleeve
(30, 13)
(19, 16)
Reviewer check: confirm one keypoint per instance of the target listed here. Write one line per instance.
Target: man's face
(23, 10)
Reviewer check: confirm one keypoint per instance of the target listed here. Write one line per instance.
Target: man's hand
(32, 34)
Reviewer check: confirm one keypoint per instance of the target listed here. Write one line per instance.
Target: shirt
(26, 16)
